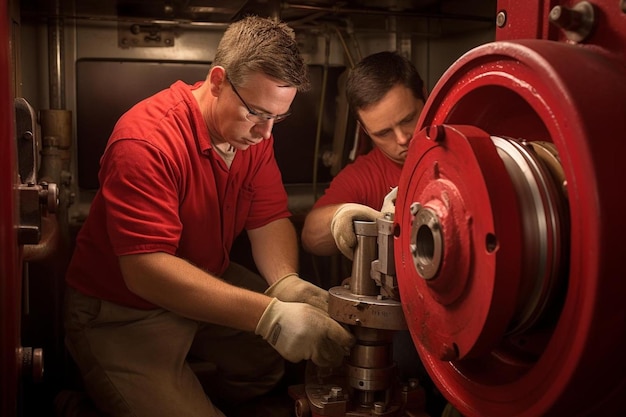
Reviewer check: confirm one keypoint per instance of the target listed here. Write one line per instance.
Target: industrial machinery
(509, 222)
(502, 259)
(508, 229)
(368, 303)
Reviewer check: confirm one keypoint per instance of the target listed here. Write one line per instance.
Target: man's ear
(217, 79)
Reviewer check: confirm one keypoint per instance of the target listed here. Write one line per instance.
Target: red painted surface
(460, 177)
(529, 20)
(10, 283)
(526, 19)
(574, 96)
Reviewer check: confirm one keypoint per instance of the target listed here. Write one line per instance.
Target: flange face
(461, 240)
(565, 353)
(366, 311)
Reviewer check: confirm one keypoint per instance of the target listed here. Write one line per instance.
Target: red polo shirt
(163, 188)
(365, 181)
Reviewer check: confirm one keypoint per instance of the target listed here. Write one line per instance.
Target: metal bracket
(134, 35)
(32, 197)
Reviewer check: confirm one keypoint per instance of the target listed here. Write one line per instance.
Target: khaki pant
(135, 362)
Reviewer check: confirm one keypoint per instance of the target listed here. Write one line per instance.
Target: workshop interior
(502, 265)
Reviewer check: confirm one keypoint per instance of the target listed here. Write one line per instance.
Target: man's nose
(264, 129)
(402, 137)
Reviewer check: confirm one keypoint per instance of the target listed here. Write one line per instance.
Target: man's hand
(299, 331)
(294, 289)
(389, 202)
(342, 225)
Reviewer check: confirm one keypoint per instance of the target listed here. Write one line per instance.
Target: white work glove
(299, 331)
(294, 289)
(389, 202)
(342, 225)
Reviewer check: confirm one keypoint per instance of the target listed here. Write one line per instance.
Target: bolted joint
(435, 133)
(576, 22)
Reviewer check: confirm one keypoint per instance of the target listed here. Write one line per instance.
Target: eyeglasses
(257, 117)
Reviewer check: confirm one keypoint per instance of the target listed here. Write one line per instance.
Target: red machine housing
(510, 217)
(10, 286)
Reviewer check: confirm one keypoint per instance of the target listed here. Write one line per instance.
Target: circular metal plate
(572, 97)
(366, 311)
(465, 307)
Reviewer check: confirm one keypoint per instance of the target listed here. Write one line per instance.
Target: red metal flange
(462, 239)
(538, 323)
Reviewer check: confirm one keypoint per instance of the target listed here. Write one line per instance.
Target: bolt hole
(491, 243)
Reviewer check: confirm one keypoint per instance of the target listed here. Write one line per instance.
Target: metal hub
(508, 232)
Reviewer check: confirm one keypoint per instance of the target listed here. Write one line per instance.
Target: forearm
(275, 249)
(176, 285)
(316, 235)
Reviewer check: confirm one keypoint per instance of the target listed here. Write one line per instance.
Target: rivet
(501, 18)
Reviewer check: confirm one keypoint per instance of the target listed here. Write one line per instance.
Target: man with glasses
(258, 117)
(150, 283)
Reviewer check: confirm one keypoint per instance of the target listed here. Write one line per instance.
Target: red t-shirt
(365, 181)
(163, 188)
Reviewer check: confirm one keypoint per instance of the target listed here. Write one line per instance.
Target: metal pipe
(55, 60)
(403, 13)
(320, 118)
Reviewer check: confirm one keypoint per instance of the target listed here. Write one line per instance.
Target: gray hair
(258, 44)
